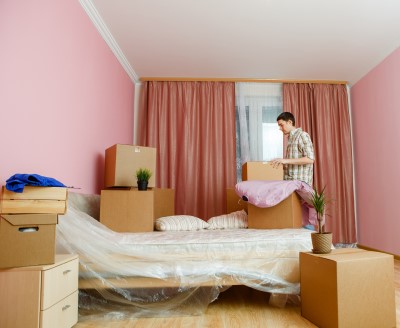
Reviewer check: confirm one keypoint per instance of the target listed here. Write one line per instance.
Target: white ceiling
(261, 39)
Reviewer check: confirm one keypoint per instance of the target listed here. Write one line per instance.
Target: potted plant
(143, 176)
(321, 240)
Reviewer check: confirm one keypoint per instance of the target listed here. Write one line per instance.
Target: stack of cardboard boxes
(286, 214)
(124, 208)
(28, 225)
(39, 288)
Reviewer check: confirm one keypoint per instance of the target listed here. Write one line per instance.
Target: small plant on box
(319, 202)
(321, 240)
(143, 176)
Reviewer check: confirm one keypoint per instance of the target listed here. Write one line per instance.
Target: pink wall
(376, 116)
(64, 97)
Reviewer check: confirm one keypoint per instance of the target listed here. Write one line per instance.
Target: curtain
(322, 110)
(257, 134)
(192, 125)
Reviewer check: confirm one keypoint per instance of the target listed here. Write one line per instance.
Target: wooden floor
(239, 306)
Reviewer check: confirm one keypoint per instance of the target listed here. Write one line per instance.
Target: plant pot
(142, 185)
(322, 242)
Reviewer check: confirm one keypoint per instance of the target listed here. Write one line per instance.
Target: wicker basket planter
(322, 242)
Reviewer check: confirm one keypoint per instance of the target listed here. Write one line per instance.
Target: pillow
(234, 220)
(180, 222)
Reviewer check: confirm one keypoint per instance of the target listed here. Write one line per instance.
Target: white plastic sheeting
(174, 272)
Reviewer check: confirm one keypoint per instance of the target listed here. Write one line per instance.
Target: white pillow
(180, 222)
(234, 220)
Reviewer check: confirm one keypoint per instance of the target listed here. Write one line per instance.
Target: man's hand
(278, 161)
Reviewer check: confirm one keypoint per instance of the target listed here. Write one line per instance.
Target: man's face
(285, 127)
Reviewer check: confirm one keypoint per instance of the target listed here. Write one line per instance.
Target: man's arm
(292, 161)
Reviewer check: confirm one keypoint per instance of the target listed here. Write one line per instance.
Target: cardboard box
(122, 162)
(234, 202)
(27, 239)
(164, 202)
(348, 288)
(45, 200)
(131, 210)
(286, 214)
(261, 171)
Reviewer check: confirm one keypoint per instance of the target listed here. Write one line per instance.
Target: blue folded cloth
(18, 181)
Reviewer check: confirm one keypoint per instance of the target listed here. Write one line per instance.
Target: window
(258, 137)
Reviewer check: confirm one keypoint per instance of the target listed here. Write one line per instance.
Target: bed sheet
(268, 193)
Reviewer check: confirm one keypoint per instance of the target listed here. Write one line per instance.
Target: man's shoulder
(299, 132)
(302, 133)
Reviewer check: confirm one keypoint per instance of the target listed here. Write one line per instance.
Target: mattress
(138, 268)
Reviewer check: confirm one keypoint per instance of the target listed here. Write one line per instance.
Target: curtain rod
(194, 79)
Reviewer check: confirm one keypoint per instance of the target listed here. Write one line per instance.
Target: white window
(258, 137)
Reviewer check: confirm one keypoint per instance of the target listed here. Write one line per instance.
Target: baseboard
(396, 257)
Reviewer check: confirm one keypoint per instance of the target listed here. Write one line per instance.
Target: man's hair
(286, 116)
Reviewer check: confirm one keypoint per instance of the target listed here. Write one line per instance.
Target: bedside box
(348, 288)
(122, 162)
(261, 171)
(27, 239)
(286, 214)
(45, 200)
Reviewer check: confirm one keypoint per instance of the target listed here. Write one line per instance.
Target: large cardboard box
(27, 239)
(122, 162)
(45, 200)
(348, 288)
(261, 171)
(131, 210)
(234, 202)
(286, 214)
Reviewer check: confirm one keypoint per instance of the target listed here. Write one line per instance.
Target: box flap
(353, 256)
(30, 219)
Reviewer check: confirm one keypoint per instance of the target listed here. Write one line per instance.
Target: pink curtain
(323, 111)
(192, 125)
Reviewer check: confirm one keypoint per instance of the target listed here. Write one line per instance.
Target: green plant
(143, 174)
(319, 202)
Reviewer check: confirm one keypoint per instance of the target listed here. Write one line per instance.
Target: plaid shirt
(299, 145)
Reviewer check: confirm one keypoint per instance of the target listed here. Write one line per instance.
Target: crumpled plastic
(126, 275)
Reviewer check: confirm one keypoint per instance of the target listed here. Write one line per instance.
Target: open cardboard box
(286, 214)
(27, 239)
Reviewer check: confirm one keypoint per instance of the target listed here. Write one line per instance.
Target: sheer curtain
(323, 111)
(192, 125)
(257, 134)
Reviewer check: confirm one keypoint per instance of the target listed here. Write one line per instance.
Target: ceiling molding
(98, 22)
(193, 79)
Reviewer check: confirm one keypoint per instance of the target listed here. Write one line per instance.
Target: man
(298, 164)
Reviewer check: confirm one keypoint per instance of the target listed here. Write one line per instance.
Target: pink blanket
(269, 193)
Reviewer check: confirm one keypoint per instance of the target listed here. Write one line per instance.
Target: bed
(173, 272)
